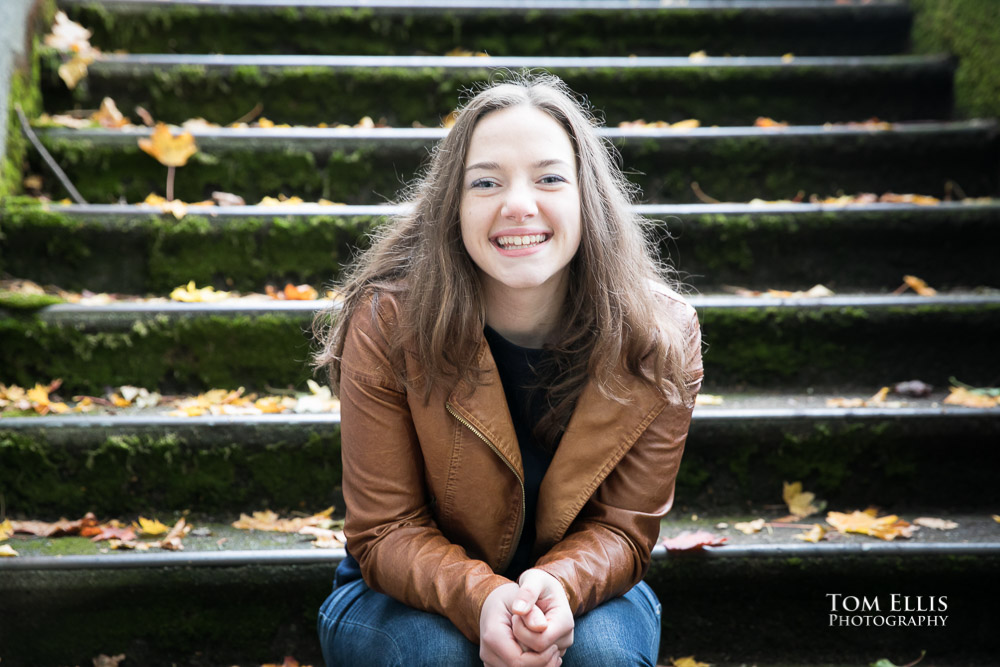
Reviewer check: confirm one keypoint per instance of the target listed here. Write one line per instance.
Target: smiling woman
(516, 382)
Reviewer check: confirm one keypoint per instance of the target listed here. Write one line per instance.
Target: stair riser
(843, 249)
(120, 470)
(727, 169)
(192, 29)
(753, 347)
(719, 609)
(310, 95)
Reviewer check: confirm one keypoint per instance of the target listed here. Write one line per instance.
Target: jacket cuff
(469, 624)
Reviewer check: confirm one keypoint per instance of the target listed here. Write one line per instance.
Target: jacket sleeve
(606, 550)
(389, 526)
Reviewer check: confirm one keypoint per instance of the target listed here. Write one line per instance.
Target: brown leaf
(54, 529)
(108, 660)
(125, 533)
(688, 541)
(269, 521)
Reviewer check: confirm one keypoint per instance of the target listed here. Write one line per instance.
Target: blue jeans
(361, 628)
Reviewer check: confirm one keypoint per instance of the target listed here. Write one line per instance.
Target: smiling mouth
(520, 241)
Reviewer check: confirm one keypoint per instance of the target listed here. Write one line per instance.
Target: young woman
(516, 385)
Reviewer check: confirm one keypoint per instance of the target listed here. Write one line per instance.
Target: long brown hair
(610, 322)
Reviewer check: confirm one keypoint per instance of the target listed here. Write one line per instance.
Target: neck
(526, 317)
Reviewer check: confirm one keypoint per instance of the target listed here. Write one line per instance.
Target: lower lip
(516, 251)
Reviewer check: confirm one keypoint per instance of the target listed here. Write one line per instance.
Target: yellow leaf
(800, 503)
(697, 55)
(688, 661)
(449, 121)
(814, 534)
(7, 551)
(190, 294)
(6, 530)
(171, 151)
(969, 399)
(996, 517)
(919, 286)
(151, 526)
(750, 527)
(788, 57)
(265, 123)
(868, 523)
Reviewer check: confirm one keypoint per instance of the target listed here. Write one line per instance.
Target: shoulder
(371, 340)
(674, 307)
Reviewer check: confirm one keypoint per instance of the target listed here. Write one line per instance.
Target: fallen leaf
(171, 151)
(750, 527)
(319, 400)
(67, 36)
(970, 398)
(108, 660)
(935, 523)
(697, 56)
(876, 400)
(688, 661)
(191, 294)
(269, 521)
(885, 662)
(123, 533)
(7, 551)
(814, 534)
(109, 116)
(228, 199)
(801, 503)
(763, 121)
(54, 529)
(996, 517)
(151, 527)
(868, 523)
(689, 541)
(919, 286)
(172, 540)
(6, 530)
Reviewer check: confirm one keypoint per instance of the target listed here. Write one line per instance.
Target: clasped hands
(528, 624)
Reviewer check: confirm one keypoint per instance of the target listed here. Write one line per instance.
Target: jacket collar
(598, 435)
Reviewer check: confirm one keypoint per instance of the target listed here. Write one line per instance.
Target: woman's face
(520, 211)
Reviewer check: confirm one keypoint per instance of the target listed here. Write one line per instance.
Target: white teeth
(520, 241)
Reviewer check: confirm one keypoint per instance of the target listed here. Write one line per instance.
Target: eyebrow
(494, 166)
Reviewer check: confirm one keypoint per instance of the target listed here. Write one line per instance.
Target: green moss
(121, 473)
(360, 31)
(966, 29)
(24, 92)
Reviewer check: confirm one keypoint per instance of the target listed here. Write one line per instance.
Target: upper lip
(519, 231)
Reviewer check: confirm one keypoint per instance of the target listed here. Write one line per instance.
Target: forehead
(521, 132)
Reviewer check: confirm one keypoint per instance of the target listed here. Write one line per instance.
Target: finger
(529, 640)
(525, 599)
(535, 619)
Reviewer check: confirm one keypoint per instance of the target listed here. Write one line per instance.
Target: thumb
(527, 596)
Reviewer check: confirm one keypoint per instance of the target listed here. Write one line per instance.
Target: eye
(484, 183)
(552, 179)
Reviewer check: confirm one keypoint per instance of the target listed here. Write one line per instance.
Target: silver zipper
(524, 501)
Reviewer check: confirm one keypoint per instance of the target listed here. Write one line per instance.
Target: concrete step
(134, 249)
(407, 89)
(857, 341)
(255, 596)
(918, 454)
(499, 27)
(370, 166)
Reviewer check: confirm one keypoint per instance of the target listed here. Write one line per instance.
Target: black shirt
(518, 367)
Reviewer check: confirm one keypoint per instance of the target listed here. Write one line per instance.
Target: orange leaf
(919, 286)
(868, 523)
(171, 151)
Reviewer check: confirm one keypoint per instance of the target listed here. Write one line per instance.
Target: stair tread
(551, 5)
(976, 533)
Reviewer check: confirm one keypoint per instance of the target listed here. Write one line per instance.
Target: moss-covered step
(723, 604)
(138, 250)
(736, 460)
(860, 341)
(424, 89)
(370, 166)
(497, 27)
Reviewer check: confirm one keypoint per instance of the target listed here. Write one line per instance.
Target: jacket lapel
(486, 410)
(598, 435)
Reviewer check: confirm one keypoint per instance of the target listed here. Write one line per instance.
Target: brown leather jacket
(435, 494)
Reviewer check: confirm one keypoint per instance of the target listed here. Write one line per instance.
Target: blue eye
(482, 183)
(552, 179)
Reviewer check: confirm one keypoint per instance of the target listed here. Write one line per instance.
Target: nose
(520, 203)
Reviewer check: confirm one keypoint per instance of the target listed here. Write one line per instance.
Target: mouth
(519, 241)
